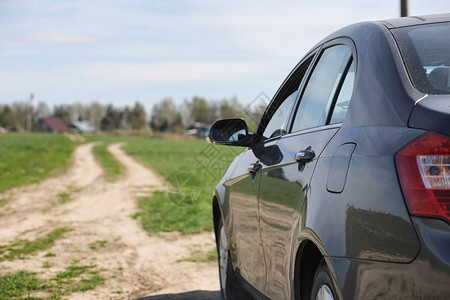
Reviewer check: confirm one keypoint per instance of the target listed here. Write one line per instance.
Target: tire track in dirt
(136, 264)
(27, 205)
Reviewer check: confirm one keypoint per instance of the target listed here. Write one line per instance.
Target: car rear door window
(322, 87)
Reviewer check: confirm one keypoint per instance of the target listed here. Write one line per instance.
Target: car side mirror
(231, 132)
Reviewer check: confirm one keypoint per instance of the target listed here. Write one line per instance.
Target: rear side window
(345, 94)
(320, 91)
(426, 51)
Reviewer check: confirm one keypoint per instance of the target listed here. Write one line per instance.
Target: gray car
(343, 190)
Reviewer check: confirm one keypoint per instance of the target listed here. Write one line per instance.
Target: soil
(100, 213)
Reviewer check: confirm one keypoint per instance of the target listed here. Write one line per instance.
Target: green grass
(112, 168)
(27, 158)
(64, 197)
(159, 213)
(97, 244)
(22, 248)
(193, 168)
(19, 284)
(199, 257)
(72, 272)
(75, 278)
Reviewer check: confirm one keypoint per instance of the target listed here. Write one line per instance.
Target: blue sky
(125, 51)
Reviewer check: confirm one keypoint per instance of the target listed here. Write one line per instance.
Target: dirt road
(134, 264)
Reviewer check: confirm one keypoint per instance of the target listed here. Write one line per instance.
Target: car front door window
(274, 122)
(277, 125)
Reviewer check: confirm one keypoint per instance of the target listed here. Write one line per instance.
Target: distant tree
(79, 112)
(214, 110)
(20, 112)
(112, 118)
(200, 110)
(229, 108)
(138, 116)
(62, 112)
(125, 119)
(6, 117)
(42, 111)
(185, 113)
(164, 115)
(97, 111)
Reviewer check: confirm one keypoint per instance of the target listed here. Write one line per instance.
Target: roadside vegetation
(198, 256)
(193, 168)
(30, 158)
(74, 278)
(111, 167)
(22, 248)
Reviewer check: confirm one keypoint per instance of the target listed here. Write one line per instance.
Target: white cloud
(169, 72)
(59, 38)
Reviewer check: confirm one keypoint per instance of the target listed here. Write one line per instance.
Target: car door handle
(254, 167)
(304, 156)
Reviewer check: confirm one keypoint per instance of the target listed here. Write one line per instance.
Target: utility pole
(30, 112)
(404, 8)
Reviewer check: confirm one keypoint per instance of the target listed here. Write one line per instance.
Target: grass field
(192, 174)
(29, 158)
(192, 167)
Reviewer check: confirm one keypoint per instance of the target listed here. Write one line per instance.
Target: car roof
(384, 25)
(415, 20)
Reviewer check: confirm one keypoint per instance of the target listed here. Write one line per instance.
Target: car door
(247, 246)
(284, 186)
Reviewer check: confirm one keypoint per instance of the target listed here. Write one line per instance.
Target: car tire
(230, 288)
(323, 288)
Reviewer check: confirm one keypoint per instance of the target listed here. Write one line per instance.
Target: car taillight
(424, 171)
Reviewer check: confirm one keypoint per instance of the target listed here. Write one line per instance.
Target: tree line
(165, 115)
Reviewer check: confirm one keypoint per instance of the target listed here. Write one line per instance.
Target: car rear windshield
(426, 51)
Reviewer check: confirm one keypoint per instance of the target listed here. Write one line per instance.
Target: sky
(115, 51)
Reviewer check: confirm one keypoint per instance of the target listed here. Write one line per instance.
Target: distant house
(55, 125)
(82, 127)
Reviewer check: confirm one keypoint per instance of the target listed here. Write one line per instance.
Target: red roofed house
(55, 125)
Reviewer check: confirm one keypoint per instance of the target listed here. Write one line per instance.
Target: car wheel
(225, 269)
(222, 251)
(230, 287)
(322, 288)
